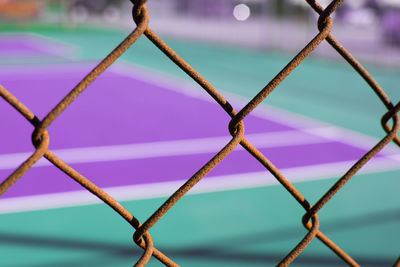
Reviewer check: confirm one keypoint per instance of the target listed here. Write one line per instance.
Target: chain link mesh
(40, 136)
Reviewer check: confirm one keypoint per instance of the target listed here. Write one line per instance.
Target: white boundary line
(55, 47)
(180, 85)
(326, 130)
(51, 68)
(128, 69)
(162, 148)
(208, 184)
(220, 183)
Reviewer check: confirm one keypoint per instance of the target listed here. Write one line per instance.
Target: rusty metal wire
(141, 236)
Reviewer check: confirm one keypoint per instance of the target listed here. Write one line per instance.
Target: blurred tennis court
(142, 128)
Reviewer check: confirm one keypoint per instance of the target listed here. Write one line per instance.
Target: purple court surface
(137, 135)
(25, 46)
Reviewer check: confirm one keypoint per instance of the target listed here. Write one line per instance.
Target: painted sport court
(109, 135)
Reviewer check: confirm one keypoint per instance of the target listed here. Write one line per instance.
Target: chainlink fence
(141, 237)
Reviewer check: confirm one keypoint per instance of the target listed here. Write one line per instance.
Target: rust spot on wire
(141, 236)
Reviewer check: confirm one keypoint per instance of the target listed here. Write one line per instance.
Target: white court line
(395, 157)
(46, 44)
(210, 184)
(311, 126)
(306, 124)
(275, 114)
(265, 111)
(162, 149)
(190, 88)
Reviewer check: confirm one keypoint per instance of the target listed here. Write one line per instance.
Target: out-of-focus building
(22, 10)
(363, 13)
(367, 27)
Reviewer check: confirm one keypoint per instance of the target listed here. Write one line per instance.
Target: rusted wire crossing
(141, 236)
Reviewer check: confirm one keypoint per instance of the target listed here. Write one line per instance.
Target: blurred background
(368, 28)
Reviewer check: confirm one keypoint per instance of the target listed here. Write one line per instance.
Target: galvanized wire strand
(385, 119)
(40, 136)
(95, 73)
(306, 51)
(148, 251)
(300, 198)
(190, 71)
(335, 248)
(392, 134)
(228, 108)
(353, 170)
(42, 150)
(276, 173)
(384, 99)
(302, 244)
(211, 90)
(323, 21)
(397, 263)
(26, 165)
(190, 183)
(16, 104)
(357, 67)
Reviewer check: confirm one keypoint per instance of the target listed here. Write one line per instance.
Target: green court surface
(246, 227)
(253, 227)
